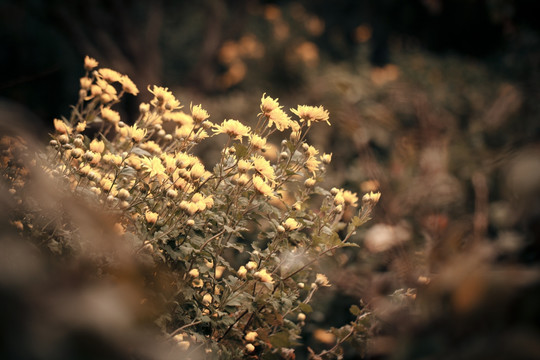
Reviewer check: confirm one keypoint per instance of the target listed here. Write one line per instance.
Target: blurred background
(435, 103)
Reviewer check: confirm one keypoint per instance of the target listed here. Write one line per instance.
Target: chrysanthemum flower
(151, 217)
(263, 167)
(128, 85)
(199, 114)
(154, 167)
(291, 224)
(180, 118)
(109, 75)
(350, 198)
(280, 118)
(257, 142)
(244, 166)
(251, 336)
(234, 128)
(163, 99)
(322, 280)
(261, 186)
(110, 115)
(264, 276)
(312, 164)
(97, 146)
(268, 104)
(90, 63)
(61, 127)
(311, 114)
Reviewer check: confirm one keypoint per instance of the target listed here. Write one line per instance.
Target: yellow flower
(180, 118)
(244, 166)
(250, 348)
(261, 186)
(61, 127)
(264, 276)
(251, 265)
(257, 142)
(280, 118)
(207, 299)
(110, 115)
(97, 146)
(151, 146)
(326, 158)
(242, 271)
(85, 82)
(234, 128)
(312, 165)
(263, 167)
(184, 132)
(311, 151)
(194, 273)
(350, 198)
(80, 126)
(151, 217)
(154, 167)
(163, 99)
(197, 171)
(311, 114)
(199, 114)
(321, 280)
(109, 75)
(90, 63)
(219, 271)
(372, 197)
(251, 336)
(291, 224)
(268, 104)
(136, 134)
(128, 85)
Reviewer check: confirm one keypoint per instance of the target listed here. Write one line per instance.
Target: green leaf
(306, 308)
(355, 310)
(280, 340)
(241, 151)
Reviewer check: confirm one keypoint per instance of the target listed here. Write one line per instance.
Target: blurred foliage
(434, 102)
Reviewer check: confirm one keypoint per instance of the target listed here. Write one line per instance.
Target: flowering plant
(241, 239)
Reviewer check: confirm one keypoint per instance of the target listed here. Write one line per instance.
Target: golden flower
(251, 336)
(280, 118)
(109, 75)
(311, 114)
(208, 201)
(321, 280)
(80, 126)
(311, 151)
(106, 87)
(251, 265)
(85, 82)
(61, 127)
(97, 146)
(151, 146)
(326, 158)
(219, 271)
(180, 118)
(338, 198)
(197, 170)
(154, 167)
(90, 63)
(263, 167)
(350, 198)
(169, 161)
(261, 186)
(234, 128)
(128, 85)
(134, 161)
(310, 182)
(184, 132)
(151, 217)
(291, 224)
(371, 197)
(257, 142)
(199, 114)
(197, 283)
(110, 115)
(268, 104)
(163, 99)
(207, 299)
(250, 348)
(136, 134)
(242, 271)
(244, 166)
(312, 165)
(301, 317)
(264, 276)
(194, 273)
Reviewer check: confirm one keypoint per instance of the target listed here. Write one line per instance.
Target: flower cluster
(228, 234)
